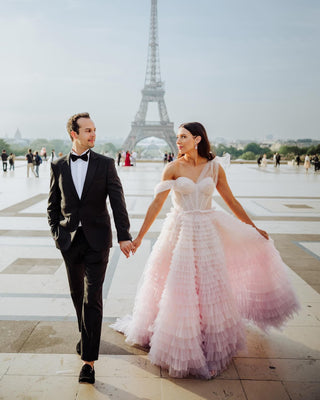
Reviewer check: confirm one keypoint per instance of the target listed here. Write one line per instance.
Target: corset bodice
(188, 195)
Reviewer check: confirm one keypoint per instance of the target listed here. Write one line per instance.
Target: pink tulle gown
(206, 274)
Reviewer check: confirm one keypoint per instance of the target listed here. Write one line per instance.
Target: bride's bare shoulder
(171, 170)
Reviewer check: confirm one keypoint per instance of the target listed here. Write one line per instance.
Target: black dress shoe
(78, 347)
(87, 374)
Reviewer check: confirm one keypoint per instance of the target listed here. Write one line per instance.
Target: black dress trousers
(86, 270)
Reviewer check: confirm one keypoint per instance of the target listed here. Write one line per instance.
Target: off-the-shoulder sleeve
(163, 186)
(224, 161)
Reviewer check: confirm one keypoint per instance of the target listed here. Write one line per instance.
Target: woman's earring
(196, 146)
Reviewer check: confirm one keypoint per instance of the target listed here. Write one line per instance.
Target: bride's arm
(155, 207)
(225, 192)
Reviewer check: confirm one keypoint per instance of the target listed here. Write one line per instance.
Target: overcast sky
(244, 68)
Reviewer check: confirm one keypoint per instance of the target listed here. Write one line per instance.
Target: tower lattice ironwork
(153, 91)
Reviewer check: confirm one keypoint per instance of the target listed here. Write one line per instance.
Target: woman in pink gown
(207, 273)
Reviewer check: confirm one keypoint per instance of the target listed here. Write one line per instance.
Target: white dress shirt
(78, 172)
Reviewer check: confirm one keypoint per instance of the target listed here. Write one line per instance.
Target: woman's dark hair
(197, 129)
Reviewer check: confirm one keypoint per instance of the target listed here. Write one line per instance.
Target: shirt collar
(86, 151)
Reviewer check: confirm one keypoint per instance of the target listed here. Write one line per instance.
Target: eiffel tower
(153, 91)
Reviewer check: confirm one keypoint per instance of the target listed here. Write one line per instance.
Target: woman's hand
(126, 247)
(263, 233)
(135, 244)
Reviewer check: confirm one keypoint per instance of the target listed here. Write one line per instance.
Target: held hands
(128, 247)
(136, 243)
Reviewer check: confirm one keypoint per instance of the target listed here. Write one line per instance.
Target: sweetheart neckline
(189, 179)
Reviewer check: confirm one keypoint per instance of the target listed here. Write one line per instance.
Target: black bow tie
(83, 157)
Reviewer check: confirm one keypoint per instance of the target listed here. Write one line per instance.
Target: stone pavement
(38, 331)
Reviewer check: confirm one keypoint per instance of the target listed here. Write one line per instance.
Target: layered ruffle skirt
(207, 273)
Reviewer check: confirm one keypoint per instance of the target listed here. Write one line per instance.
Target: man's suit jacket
(66, 210)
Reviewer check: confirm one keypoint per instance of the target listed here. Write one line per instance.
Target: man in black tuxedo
(80, 224)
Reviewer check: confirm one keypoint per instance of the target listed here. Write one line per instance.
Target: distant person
(316, 163)
(278, 158)
(119, 158)
(133, 158)
(307, 163)
(53, 155)
(4, 158)
(259, 161)
(298, 160)
(11, 160)
(264, 161)
(165, 158)
(274, 159)
(127, 162)
(38, 161)
(30, 165)
(43, 153)
(170, 157)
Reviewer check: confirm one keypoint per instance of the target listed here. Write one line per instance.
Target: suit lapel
(93, 163)
(68, 176)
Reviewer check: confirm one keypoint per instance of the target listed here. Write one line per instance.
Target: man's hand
(126, 247)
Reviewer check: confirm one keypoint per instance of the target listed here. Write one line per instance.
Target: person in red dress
(127, 160)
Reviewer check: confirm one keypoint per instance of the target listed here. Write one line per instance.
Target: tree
(37, 144)
(4, 146)
(108, 148)
(313, 150)
(221, 149)
(292, 150)
(59, 146)
(257, 149)
(253, 148)
(248, 155)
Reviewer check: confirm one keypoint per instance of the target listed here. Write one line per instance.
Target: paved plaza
(38, 330)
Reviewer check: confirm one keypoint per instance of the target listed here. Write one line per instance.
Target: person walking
(53, 155)
(307, 163)
(316, 163)
(38, 161)
(80, 184)
(43, 154)
(30, 165)
(207, 272)
(11, 160)
(4, 158)
(119, 158)
(264, 161)
(259, 159)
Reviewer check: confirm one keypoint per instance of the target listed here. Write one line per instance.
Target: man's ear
(73, 134)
